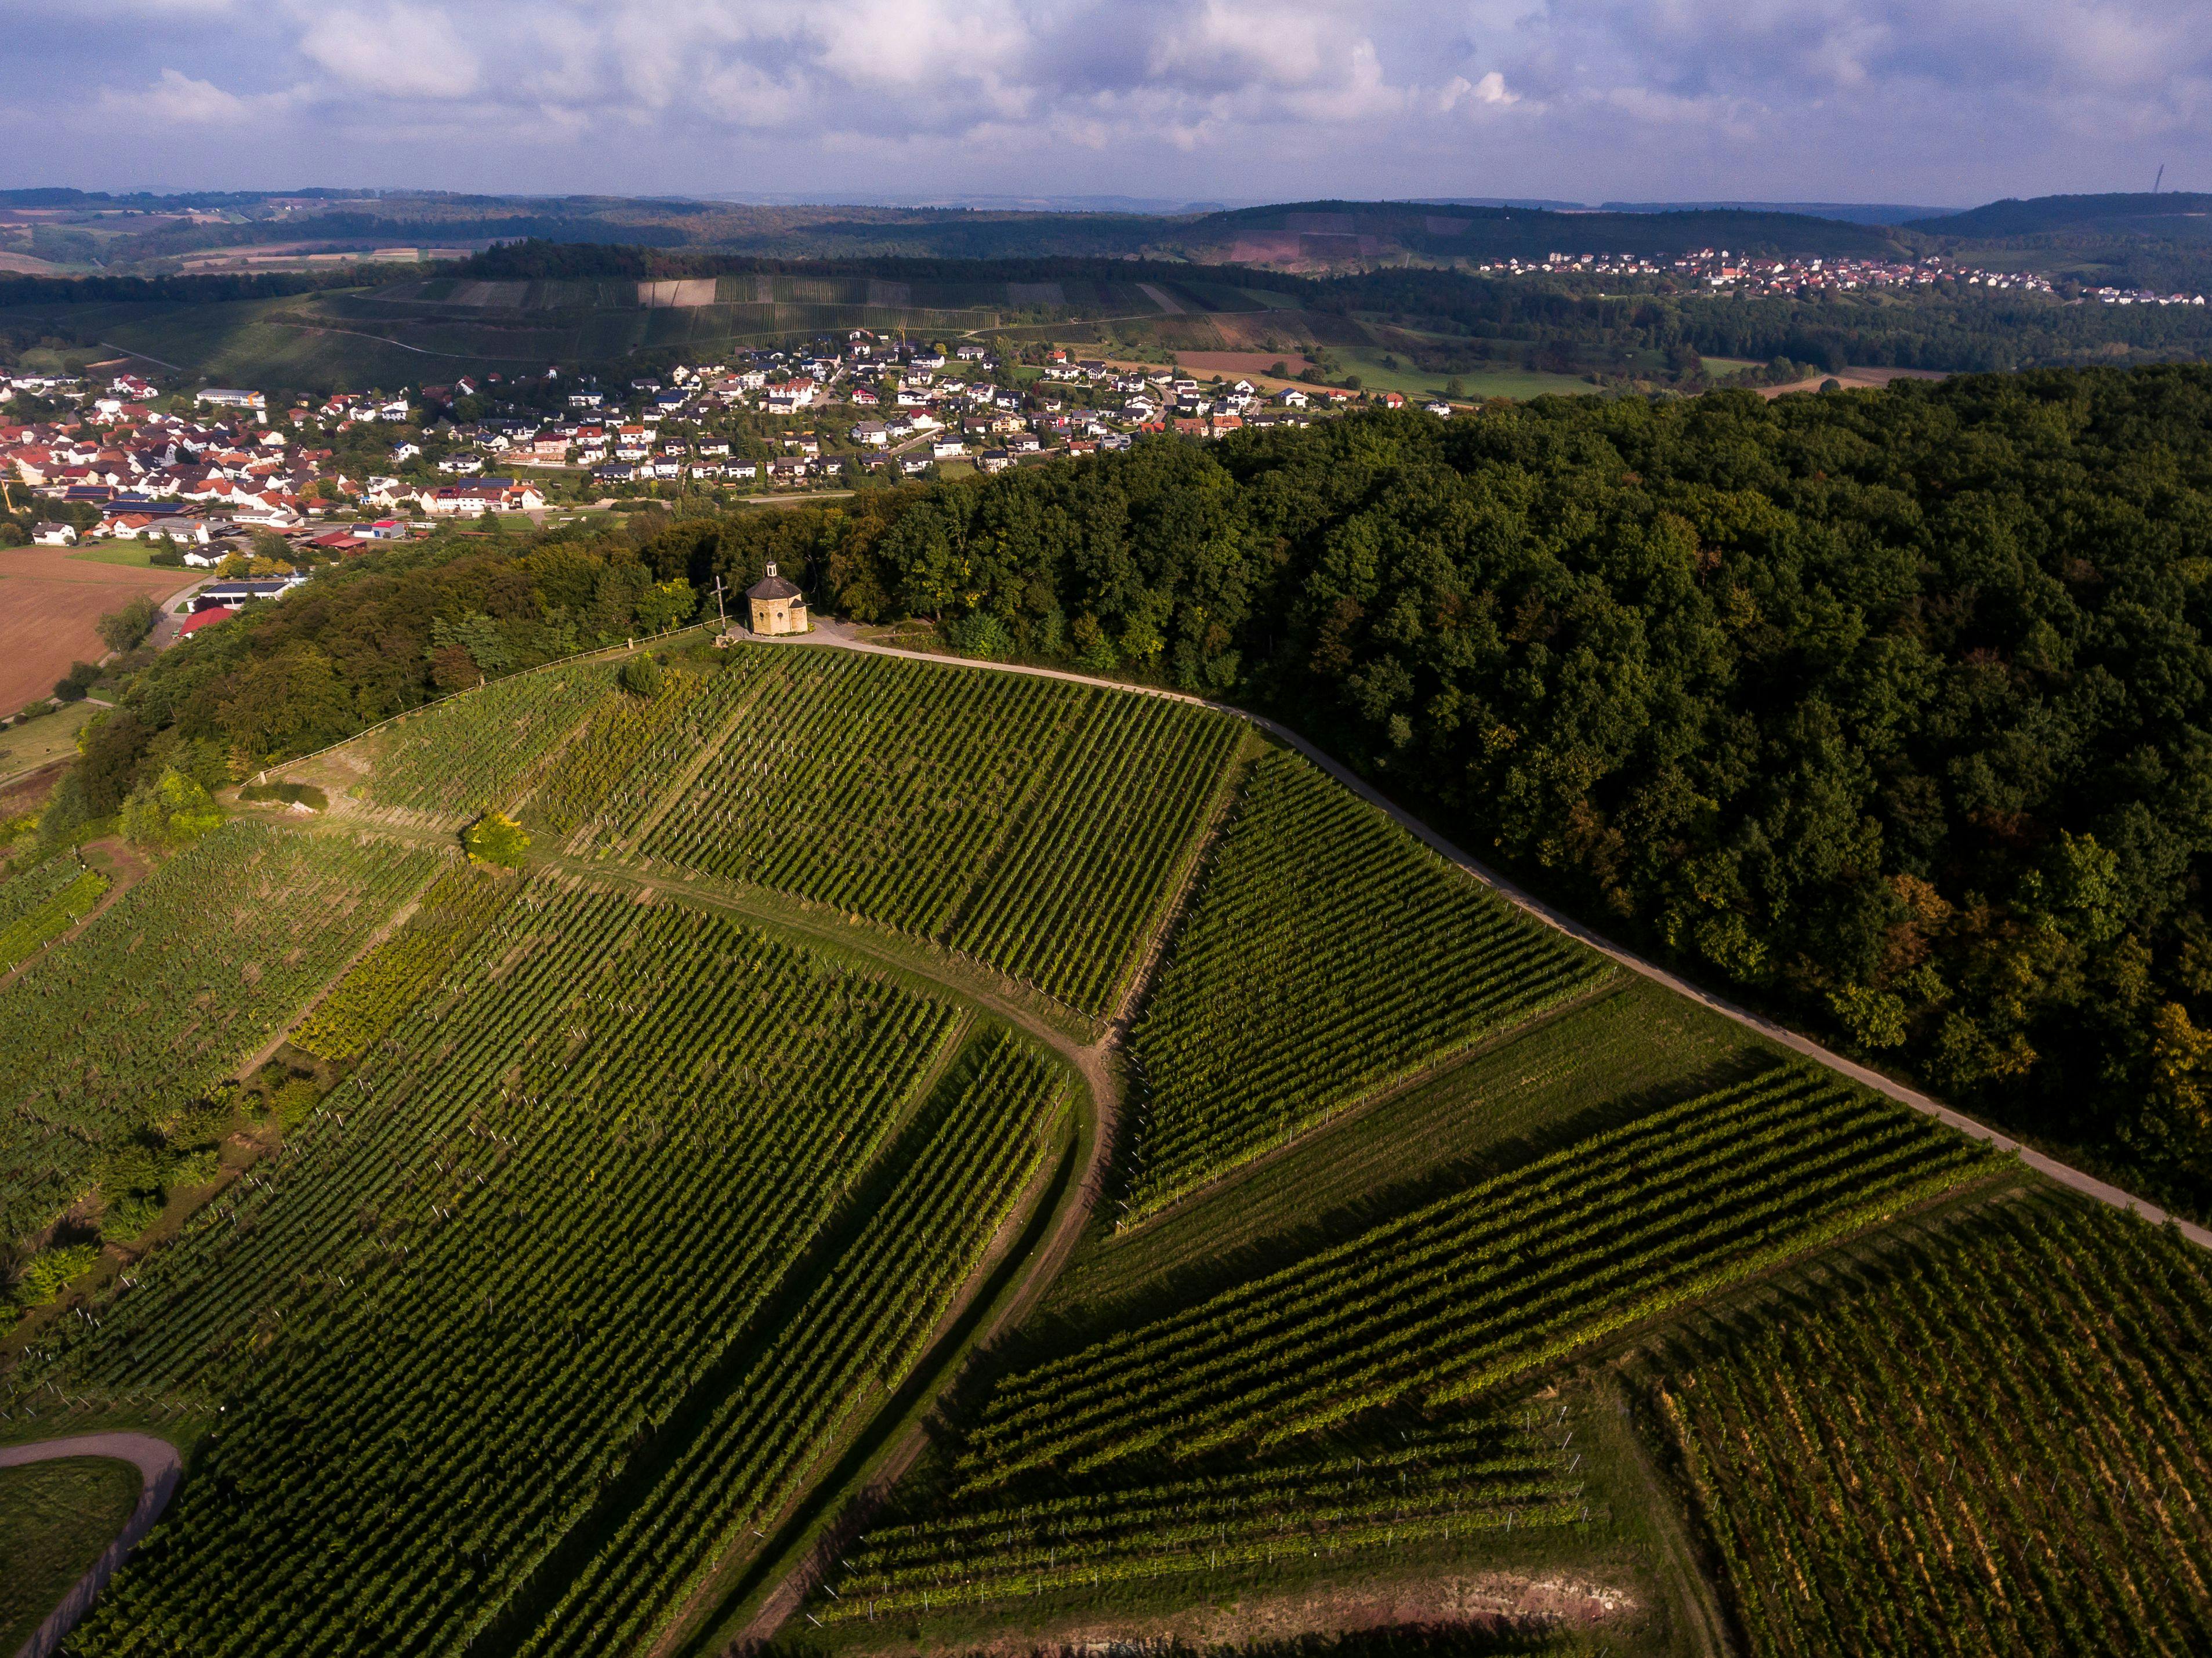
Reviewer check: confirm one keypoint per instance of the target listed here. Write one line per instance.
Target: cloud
(175, 99)
(397, 51)
(1237, 98)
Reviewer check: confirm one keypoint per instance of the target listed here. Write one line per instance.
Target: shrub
(72, 685)
(979, 635)
(128, 1216)
(496, 838)
(641, 676)
(51, 1271)
(171, 810)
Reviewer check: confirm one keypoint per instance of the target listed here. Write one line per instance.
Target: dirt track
(159, 1468)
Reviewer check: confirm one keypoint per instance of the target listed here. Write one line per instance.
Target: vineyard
(853, 1343)
(616, 1241)
(1029, 822)
(109, 1035)
(1327, 954)
(454, 758)
(42, 902)
(1999, 1445)
(389, 980)
(578, 785)
(546, 1207)
(1464, 1294)
(1490, 1477)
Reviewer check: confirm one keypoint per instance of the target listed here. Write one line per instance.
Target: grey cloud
(1954, 99)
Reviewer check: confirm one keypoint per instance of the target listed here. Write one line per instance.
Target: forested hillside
(1888, 710)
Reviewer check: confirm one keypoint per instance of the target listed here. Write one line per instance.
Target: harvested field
(1246, 365)
(49, 601)
(1853, 380)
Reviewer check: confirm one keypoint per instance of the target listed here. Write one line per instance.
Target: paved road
(838, 634)
(169, 624)
(159, 1467)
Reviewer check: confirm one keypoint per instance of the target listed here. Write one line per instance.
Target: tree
(640, 676)
(123, 629)
(666, 605)
(171, 810)
(497, 840)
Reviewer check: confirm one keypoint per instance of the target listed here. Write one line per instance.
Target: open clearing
(50, 600)
(40, 742)
(55, 1518)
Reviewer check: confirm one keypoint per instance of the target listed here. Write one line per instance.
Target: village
(196, 476)
(1718, 270)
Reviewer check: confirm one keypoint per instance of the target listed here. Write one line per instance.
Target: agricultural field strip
(2063, 1174)
(407, 1125)
(666, 769)
(1463, 1294)
(1999, 1448)
(379, 989)
(855, 1342)
(883, 797)
(42, 902)
(455, 758)
(1031, 830)
(1511, 1473)
(1126, 804)
(418, 1354)
(1327, 955)
(160, 997)
(574, 788)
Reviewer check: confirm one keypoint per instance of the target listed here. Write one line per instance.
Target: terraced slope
(2002, 1445)
(1032, 823)
(1328, 955)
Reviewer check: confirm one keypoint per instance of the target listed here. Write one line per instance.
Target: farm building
(778, 606)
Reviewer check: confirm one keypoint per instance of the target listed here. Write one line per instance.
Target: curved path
(837, 635)
(159, 1467)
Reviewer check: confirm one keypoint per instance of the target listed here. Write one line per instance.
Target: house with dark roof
(778, 606)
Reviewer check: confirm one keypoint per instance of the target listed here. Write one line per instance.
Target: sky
(1935, 102)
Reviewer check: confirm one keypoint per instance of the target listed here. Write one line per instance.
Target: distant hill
(2180, 215)
(1887, 213)
(1312, 235)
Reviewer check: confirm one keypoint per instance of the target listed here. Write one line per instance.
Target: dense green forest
(1948, 327)
(1890, 711)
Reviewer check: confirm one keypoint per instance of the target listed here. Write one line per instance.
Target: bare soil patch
(686, 293)
(49, 602)
(1854, 380)
(1490, 1599)
(1245, 365)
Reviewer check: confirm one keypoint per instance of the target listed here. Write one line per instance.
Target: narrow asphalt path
(839, 635)
(159, 1468)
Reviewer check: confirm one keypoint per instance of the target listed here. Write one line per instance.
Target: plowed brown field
(49, 602)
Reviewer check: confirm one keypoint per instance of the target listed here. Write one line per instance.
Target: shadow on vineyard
(1294, 1236)
(667, 1447)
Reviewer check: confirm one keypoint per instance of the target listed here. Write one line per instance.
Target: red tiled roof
(199, 619)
